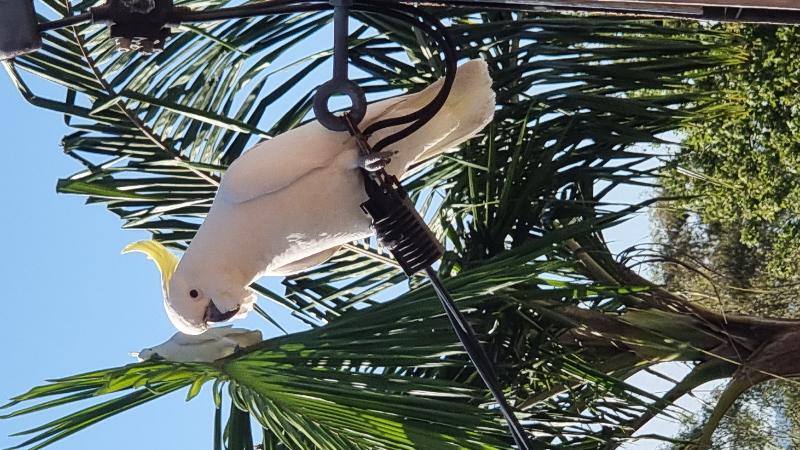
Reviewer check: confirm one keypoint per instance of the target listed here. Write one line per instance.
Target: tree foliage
(766, 417)
(709, 263)
(740, 165)
(729, 243)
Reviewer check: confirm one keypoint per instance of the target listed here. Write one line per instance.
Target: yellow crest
(164, 259)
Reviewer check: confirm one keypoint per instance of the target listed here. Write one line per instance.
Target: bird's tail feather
(468, 109)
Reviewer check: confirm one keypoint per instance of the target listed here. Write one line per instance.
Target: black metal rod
(341, 20)
(753, 12)
(478, 357)
(253, 10)
(65, 22)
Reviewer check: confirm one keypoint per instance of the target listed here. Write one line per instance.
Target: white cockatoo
(290, 202)
(216, 343)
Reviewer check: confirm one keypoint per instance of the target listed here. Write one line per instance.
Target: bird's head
(188, 300)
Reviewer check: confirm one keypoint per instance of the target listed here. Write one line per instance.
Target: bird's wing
(303, 264)
(277, 163)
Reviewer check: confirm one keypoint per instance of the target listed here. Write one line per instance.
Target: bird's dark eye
(193, 293)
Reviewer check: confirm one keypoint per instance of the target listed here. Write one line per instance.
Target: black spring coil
(399, 227)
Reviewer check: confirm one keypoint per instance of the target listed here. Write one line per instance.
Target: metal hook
(340, 83)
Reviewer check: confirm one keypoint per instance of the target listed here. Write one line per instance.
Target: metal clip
(340, 83)
(137, 25)
(397, 224)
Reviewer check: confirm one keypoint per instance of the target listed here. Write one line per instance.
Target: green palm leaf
(519, 208)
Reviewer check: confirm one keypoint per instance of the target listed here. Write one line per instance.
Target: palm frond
(394, 376)
(577, 97)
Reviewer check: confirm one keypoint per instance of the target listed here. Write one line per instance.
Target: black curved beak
(213, 314)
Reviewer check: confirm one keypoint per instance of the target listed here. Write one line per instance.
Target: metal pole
(341, 22)
(466, 335)
(752, 11)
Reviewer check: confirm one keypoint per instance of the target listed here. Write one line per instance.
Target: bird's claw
(376, 161)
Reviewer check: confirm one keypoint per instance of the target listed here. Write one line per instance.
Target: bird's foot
(376, 161)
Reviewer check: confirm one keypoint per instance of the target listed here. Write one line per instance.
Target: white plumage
(288, 203)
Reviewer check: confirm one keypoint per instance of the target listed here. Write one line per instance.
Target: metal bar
(753, 11)
(65, 22)
(756, 4)
(789, 5)
(466, 335)
(341, 17)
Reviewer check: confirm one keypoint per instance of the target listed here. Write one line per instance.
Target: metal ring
(327, 90)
